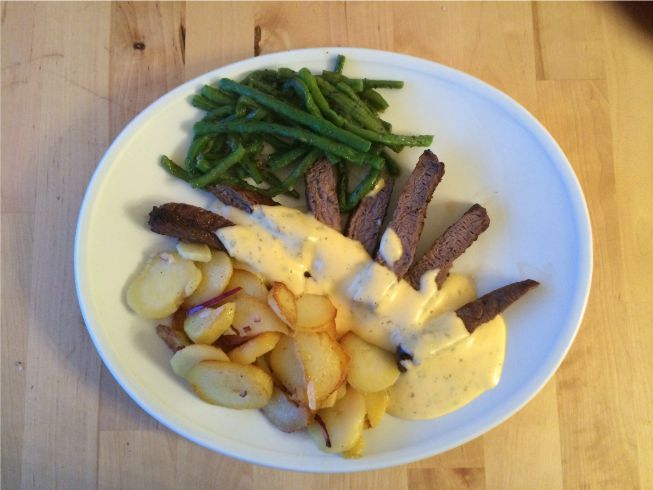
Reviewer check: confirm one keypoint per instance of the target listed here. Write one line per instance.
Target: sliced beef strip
(365, 222)
(239, 198)
(322, 194)
(450, 245)
(187, 222)
(485, 308)
(408, 217)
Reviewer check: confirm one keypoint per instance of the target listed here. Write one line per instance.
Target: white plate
(496, 154)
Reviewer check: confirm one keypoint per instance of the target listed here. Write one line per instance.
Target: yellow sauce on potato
(289, 246)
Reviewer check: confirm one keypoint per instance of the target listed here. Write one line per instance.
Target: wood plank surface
(73, 74)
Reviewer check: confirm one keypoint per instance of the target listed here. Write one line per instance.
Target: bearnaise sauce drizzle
(289, 246)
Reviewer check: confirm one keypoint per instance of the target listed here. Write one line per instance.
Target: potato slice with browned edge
(285, 414)
(314, 310)
(262, 362)
(250, 283)
(205, 326)
(338, 429)
(216, 274)
(231, 385)
(162, 284)
(328, 327)
(248, 352)
(282, 301)
(198, 252)
(187, 358)
(371, 369)
(254, 317)
(329, 401)
(287, 366)
(342, 391)
(376, 405)
(325, 365)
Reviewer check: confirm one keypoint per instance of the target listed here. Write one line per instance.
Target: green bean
(257, 115)
(264, 87)
(222, 111)
(304, 164)
(390, 139)
(298, 134)
(308, 78)
(251, 169)
(332, 77)
(320, 126)
(340, 64)
(275, 182)
(264, 74)
(286, 73)
(276, 143)
(382, 83)
(279, 161)
(215, 150)
(363, 188)
(203, 103)
(174, 169)
(302, 91)
(220, 167)
(391, 164)
(215, 95)
(362, 115)
(333, 159)
(375, 99)
(197, 146)
(343, 184)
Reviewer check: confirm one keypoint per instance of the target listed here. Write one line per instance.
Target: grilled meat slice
(322, 194)
(408, 217)
(450, 245)
(365, 222)
(187, 222)
(239, 198)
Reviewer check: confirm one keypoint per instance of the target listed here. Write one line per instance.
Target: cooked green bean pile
(264, 132)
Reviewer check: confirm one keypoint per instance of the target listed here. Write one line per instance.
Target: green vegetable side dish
(264, 132)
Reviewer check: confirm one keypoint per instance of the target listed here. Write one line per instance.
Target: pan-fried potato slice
(342, 391)
(376, 405)
(187, 358)
(285, 414)
(205, 326)
(251, 284)
(282, 301)
(314, 310)
(329, 401)
(231, 385)
(262, 362)
(161, 286)
(356, 451)
(248, 352)
(254, 317)
(239, 264)
(328, 327)
(325, 365)
(198, 252)
(371, 369)
(216, 274)
(228, 341)
(338, 429)
(288, 368)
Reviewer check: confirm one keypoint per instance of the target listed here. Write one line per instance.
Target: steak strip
(239, 198)
(322, 194)
(408, 217)
(485, 308)
(187, 222)
(365, 222)
(450, 245)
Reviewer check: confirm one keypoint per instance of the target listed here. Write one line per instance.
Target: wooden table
(74, 74)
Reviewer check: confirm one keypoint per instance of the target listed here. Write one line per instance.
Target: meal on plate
(323, 320)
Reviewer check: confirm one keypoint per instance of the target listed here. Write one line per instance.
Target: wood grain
(74, 74)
